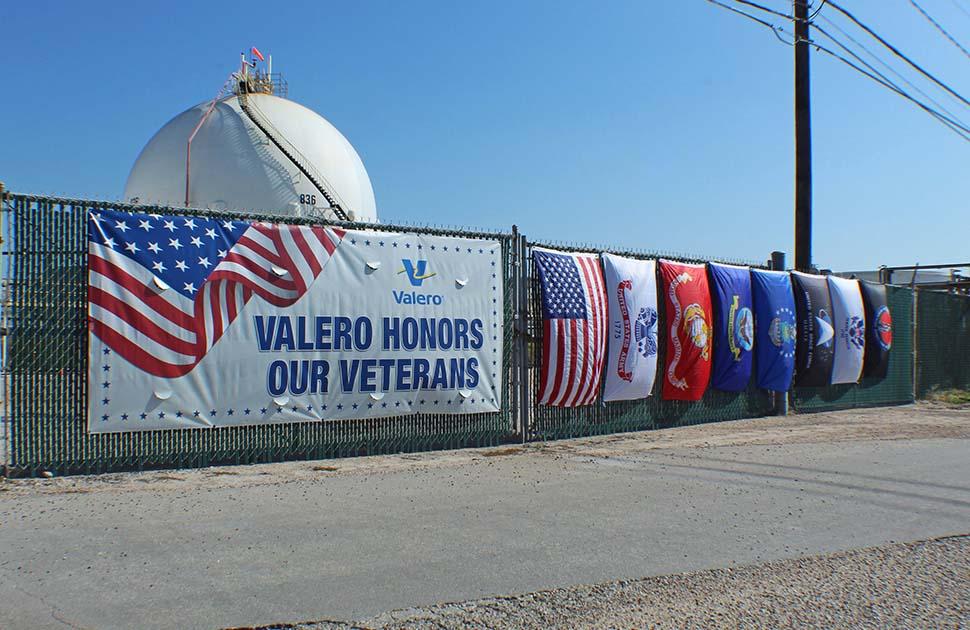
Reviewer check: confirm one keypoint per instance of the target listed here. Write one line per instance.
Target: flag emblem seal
(826, 331)
(782, 332)
(884, 327)
(854, 333)
(697, 327)
(645, 332)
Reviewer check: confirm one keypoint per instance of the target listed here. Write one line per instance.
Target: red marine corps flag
(688, 308)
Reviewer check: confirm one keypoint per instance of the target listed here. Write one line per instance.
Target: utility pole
(803, 141)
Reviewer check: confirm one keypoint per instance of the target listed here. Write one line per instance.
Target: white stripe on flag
(148, 344)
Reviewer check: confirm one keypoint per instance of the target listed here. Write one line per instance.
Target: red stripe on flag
(304, 248)
(146, 294)
(136, 320)
(135, 354)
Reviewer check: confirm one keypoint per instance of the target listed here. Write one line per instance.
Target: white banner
(387, 324)
(631, 286)
(849, 321)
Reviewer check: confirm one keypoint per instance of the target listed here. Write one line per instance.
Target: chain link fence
(45, 373)
(546, 423)
(895, 389)
(943, 342)
(45, 368)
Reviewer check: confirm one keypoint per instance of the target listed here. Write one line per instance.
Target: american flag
(163, 289)
(574, 327)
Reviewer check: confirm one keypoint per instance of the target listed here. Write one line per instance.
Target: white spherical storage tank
(286, 164)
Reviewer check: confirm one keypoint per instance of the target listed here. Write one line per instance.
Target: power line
(817, 11)
(954, 126)
(755, 18)
(880, 61)
(939, 28)
(957, 4)
(761, 7)
(896, 51)
(957, 127)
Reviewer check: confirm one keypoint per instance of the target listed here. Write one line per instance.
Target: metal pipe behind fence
(780, 400)
(522, 337)
(6, 261)
(915, 342)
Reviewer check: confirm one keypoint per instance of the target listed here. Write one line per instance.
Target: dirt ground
(923, 420)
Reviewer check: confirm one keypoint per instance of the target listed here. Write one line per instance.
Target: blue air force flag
(849, 320)
(775, 329)
(733, 326)
(631, 287)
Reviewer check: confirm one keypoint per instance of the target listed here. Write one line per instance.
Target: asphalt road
(347, 546)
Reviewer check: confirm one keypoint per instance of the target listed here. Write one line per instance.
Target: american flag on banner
(163, 289)
(574, 327)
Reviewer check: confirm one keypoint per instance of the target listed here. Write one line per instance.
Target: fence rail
(45, 365)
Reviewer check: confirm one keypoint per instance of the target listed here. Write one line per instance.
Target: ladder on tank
(292, 154)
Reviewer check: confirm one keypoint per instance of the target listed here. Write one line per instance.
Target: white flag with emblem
(849, 321)
(632, 289)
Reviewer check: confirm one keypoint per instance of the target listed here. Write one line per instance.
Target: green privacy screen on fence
(943, 342)
(896, 388)
(548, 423)
(46, 371)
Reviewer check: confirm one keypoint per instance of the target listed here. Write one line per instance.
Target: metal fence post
(780, 399)
(522, 336)
(4, 287)
(915, 333)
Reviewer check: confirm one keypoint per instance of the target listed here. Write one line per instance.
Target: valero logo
(417, 271)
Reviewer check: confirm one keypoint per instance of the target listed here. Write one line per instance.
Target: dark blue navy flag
(733, 326)
(775, 329)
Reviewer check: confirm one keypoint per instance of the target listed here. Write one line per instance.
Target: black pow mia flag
(815, 343)
(879, 330)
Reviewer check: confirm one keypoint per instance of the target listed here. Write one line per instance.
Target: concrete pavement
(354, 545)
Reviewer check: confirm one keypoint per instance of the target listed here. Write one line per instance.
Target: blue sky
(645, 124)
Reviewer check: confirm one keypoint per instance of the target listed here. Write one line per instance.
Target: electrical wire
(762, 7)
(817, 11)
(878, 76)
(956, 127)
(897, 52)
(881, 62)
(939, 27)
(774, 29)
(957, 4)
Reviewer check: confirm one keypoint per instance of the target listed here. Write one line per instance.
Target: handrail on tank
(205, 116)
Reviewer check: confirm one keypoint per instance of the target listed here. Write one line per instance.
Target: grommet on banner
(281, 400)
(162, 394)
(377, 395)
(373, 265)
(464, 393)
(279, 271)
(461, 282)
(160, 283)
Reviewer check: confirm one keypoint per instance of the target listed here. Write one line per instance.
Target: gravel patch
(914, 585)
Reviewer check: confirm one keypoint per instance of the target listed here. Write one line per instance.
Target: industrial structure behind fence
(45, 374)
